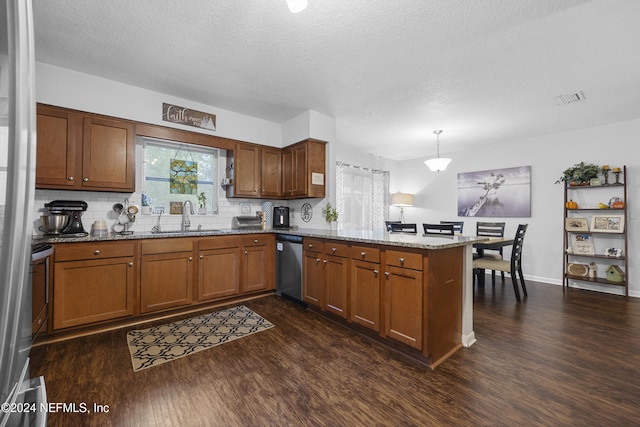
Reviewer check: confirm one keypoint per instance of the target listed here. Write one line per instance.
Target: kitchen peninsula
(410, 291)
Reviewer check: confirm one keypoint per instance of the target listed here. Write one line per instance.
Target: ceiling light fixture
(439, 163)
(296, 6)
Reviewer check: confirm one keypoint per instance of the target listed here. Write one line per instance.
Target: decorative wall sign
(495, 193)
(185, 116)
(583, 245)
(306, 212)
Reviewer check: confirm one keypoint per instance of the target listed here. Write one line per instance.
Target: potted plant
(202, 201)
(579, 174)
(330, 215)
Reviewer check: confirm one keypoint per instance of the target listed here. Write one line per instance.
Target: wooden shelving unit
(592, 195)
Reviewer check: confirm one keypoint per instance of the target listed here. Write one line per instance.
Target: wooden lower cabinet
(89, 291)
(258, 262)
(313, 278)
(219, 260)
(403, 305)
(336, 280)
(166, 274)
(365, 294)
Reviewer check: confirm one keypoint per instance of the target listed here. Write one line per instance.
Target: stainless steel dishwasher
(289, 267)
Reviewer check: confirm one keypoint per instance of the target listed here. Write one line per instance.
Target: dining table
(493, 243)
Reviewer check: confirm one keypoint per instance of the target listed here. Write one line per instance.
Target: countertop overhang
(406, 240)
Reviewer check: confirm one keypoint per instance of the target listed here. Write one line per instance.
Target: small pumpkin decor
(579, 174)
(571, 205)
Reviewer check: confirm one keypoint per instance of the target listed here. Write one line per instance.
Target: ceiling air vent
(568, 99)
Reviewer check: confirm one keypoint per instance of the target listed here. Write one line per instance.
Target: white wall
(548, 156)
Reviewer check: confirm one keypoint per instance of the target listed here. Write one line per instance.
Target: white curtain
(362, 197)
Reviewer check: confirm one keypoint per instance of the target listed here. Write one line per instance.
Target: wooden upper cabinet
(304, 170)
(271, 172)
(80, 151)
(58, 131)
(246, 175)
(108, 150)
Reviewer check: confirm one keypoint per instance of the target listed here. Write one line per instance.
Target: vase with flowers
(330, 215)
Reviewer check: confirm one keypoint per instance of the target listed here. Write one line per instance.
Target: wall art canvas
(495, 193)
(183, 177)
(186, 116)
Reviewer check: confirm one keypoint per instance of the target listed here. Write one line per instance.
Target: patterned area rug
(160, 344)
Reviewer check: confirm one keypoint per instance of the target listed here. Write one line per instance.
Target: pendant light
(439, 163)
(296, 6)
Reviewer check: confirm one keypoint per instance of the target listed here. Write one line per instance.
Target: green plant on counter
(579, 173)
(330, 213)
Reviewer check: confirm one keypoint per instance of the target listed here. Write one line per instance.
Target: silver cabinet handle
(131, 264)
(96, 252)
(255, 241)
(69, 178)
(325, 261)
(310, 246)
(246, 252)
(85, 179)
(375, 273)
(317, 259)
(334, 250)
(363, 254)
(401, 261)
(386, 274)
(201, 256)
(190, 258)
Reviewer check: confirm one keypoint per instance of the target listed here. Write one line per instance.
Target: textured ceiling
(390, 72)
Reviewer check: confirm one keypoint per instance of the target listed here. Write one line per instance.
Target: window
(177, 172)
(362, 197)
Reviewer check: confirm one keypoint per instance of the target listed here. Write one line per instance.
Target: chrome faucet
(186, 223)
(156, 228)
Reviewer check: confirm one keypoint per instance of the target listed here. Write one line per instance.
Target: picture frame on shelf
(613, 252)
(607, 223)
(583, 245)
(576, 224)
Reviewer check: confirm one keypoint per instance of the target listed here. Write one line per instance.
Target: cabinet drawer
(255, 240)
(365, 253)
(312, 245)
(404, 259)
(336, 249)
(164, 246)
(96, 250)
(219, 242)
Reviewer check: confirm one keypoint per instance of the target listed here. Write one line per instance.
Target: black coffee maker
(280, 217)
(74, 209)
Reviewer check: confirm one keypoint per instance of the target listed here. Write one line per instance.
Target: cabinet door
(108, 150)
(403, 305)
(57, 163)
(254, 269)
(313, 278)
(299, 170)
(165, 281)
(287, 172)
(365, 294)
(336, 281)
(218, 273)
(271, 172)
(246, 171)
(91, 291)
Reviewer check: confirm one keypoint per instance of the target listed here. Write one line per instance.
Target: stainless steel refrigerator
(22, 399)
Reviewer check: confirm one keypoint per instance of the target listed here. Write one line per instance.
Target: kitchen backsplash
(100, 207)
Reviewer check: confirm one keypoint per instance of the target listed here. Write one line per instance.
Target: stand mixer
(72, 208)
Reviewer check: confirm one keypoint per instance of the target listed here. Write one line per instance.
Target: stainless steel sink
(195, 230)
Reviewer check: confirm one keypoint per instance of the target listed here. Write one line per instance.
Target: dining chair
(438, 229)
(513, 266)
(388, 224)
(457, 225)
(404, 228)
(491, 229)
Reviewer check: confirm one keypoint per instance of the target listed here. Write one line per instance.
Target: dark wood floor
(556, 359)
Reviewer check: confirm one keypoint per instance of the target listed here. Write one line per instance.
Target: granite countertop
(407, 240)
